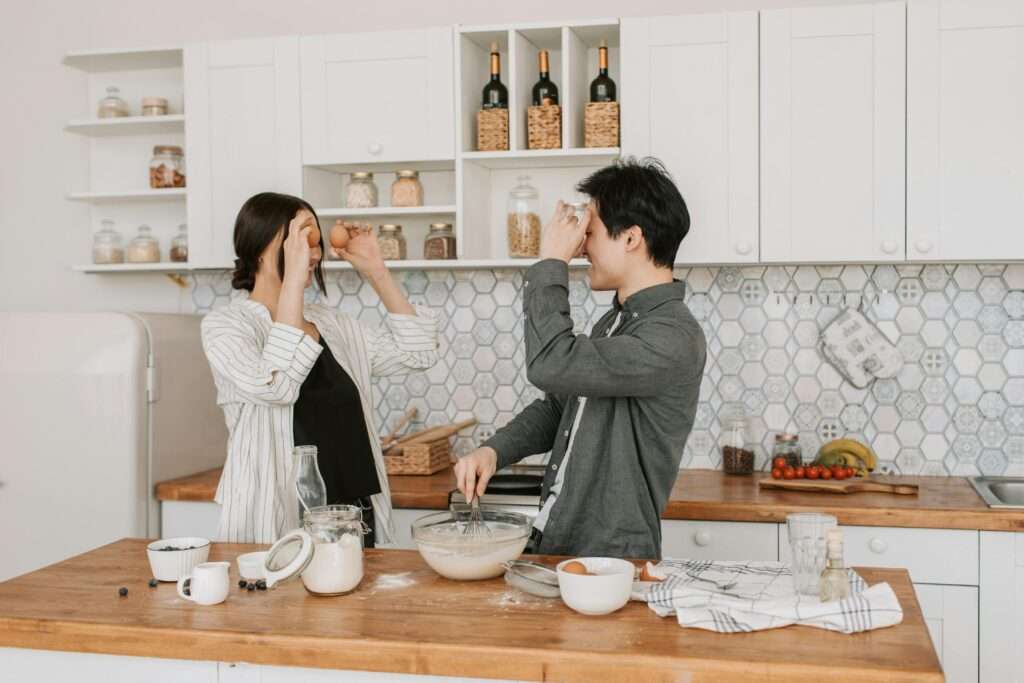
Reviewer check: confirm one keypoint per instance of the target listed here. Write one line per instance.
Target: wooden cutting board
(844, 486)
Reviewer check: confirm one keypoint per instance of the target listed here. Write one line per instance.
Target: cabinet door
(965, 102)
(242, 108)
(369, 97)
(699, 540)
(951, 614)
(690, 97)
(833, 132)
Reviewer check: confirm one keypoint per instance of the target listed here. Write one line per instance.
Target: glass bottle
(545, 92)
(835, 584)
(112, 106)
(788, 446)
(107, 246)
(144, 248)
(523, 224)
(495, 92)
(179, 245)
(440, 242)
(602, 88)
(737, 455)
(309, 483)
(361, 192)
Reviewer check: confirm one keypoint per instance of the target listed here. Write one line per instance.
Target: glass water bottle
(309, 483)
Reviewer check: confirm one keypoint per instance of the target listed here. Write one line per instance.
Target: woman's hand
(296, 248)
(363, 251)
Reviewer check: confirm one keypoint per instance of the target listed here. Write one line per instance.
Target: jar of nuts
(407, 190)
(361, 192)
(179, 245)
(523, 220)
(440, 242)
(737, 453)
(167, 168)
(392, 242)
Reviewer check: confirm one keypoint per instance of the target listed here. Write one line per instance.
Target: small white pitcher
(208, 583)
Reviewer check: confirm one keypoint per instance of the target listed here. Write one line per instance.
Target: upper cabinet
(965, 100)
(242, 105)
(690, 98)
(833, 134)
(378, 97)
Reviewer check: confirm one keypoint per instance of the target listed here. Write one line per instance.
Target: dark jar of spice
(737, 453)
(440, 242)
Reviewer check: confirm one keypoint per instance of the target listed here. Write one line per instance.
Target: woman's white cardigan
(258, 367)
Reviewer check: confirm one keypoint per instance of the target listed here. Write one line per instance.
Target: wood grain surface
(846, 486)
(405, 619)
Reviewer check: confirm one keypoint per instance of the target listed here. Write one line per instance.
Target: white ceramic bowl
(252, 566)
(455, 555)
(171, 565)
(604, 590)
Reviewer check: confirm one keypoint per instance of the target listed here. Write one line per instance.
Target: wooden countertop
(406, 619)
(941, 503)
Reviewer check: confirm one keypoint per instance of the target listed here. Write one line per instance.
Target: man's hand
(473, 471)
(564, 234)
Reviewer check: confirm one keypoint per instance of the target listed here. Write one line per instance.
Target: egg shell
(339, 235)
(574, 568)
(313, 236)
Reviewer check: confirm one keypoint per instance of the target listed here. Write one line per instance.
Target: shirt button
(526, 283)
(554, 467)
(566, 432)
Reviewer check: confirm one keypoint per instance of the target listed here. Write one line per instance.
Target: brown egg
(574, 567)
(313, 235)
(339, 235)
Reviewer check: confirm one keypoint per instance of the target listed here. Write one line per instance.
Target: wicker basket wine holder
(544, 127)
(492, 130)
(601, 124)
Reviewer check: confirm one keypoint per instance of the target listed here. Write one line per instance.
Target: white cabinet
(689, 97)
(833, 132)
(242, 106)
(1002, 606)
(402, 520)
(698, 540)
(189, 518)
(378, 97)
(965, 112)
(951, 614)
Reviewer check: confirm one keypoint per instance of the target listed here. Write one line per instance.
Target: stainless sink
(1000, 492)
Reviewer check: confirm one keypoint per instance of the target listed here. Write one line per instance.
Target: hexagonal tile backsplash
(956, 407)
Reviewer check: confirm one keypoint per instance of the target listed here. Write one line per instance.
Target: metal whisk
(476, 526)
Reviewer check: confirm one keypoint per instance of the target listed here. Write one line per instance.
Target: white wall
(41, 233)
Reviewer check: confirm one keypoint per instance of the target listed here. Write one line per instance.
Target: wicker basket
(601, 124)
(544, 127)
(492, 130)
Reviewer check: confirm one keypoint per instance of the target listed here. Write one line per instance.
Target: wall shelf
(133, 268)
(417, 264)
(169, 194)
(388, 211)
(128, 125)
(421, 165)
(544, 158)
(129, 59)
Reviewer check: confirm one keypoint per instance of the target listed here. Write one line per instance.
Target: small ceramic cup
(207, 585)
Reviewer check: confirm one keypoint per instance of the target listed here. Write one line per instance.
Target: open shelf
(129, 59)
(544, 158)
(420, 165)
(388, 211)
(454, 264)
(133, 268)
(171, 193)
(128, 125)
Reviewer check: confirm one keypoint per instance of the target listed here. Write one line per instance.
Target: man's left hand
(564, 234)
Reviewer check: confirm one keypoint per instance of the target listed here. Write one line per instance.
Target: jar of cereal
(523, 220)
(407, 190)
(361, 192)
(392, 242)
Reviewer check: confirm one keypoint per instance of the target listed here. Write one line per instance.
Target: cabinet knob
(702, 538)
(878, 546)
(888, 246)
(743, 248)
(924, 246)
(374, 148)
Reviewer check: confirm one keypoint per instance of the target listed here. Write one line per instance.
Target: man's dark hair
(641, 193)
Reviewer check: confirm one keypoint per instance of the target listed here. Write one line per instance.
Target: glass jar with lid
(144, 248)
(523, 224)
(788, 447)
(112, 106)
(735, 443)
(154, 106)
(440, 242)
(361, 192)
(107, 246)
(392, 242)
(179, 245)
(407, 190)
(167, 168)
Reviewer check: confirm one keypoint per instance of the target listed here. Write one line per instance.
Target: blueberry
(242, 583)
(261, 585)
(153, 583)
(250, 586)
(122, 591)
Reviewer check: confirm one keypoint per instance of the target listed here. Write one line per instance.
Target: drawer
(719, 540)
(944, 556)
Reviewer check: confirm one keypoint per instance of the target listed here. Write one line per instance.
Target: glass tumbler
(807, 548)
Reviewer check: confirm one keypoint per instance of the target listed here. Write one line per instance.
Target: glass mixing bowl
(454, 554)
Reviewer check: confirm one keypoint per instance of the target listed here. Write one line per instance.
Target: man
(619, 404)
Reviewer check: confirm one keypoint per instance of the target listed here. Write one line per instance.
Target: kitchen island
(406, 620)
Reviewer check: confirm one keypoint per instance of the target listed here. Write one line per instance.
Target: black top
(329, 415)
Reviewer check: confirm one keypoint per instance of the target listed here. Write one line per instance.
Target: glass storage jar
(167, 168)
(112, 106)
(154, 106)
(523, 220)
(179, 245)
(107, 246)
(337, 563)
(737, 451)
(392, 242)
(788, 447)
(407, 190)
(144, 248)
(440, 242)
(361, 192)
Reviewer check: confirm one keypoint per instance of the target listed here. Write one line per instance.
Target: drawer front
(947, 556)
(719, 540)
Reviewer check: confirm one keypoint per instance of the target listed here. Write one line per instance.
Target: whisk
(476, 526)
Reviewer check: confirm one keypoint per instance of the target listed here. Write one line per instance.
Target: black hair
(641, 193)
(259, 220)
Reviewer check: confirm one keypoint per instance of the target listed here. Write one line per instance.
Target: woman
(289, 373)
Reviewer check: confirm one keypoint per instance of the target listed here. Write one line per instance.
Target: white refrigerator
(95, 408)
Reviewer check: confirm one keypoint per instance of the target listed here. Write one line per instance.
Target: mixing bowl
(454, 554)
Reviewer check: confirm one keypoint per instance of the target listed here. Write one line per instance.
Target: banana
(830, 458)
(861, 451)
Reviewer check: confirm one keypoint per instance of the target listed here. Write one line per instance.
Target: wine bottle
(544, 90)
(602, 88)
(495, 92)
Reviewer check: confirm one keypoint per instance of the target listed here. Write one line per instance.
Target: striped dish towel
(739, 597)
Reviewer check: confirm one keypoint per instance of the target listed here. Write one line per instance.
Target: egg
(339, 235)
(646, 575)
(574, 567)
(313, 235)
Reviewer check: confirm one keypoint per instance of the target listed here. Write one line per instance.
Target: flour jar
(327, 552)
